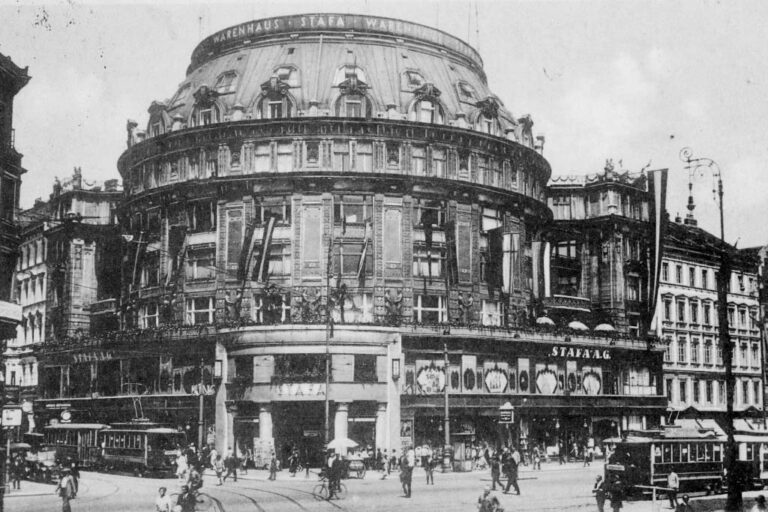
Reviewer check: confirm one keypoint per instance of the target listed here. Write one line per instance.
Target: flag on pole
(266, 242)
(364, 252)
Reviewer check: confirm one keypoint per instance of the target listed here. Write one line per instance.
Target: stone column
(265, 422)
(340, 420)
(381, 426)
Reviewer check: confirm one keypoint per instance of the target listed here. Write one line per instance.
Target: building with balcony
(336, 209)
(687, 323)
(67, 276)
(12, 80)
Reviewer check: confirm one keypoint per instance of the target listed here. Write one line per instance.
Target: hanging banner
(495, 377)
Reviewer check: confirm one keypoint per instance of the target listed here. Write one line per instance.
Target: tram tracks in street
(284, 496)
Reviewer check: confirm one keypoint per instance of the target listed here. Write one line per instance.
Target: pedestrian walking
(588, 456)
(293, 463)
(510, 470)
(218, 468)
(599, 491)
(273, 467)
(181, 467)
(186, 501)
(75, 471)
(561, 453)
(406, 472)
(496, 471)
(536, 458)
(334, 477)
(17, 472)
(195, 481)
(617, 495)
(429, 467)
(673, 484)
(231, 463)
(66, 490)
(212, 457)
(379, 460)
(163, 501)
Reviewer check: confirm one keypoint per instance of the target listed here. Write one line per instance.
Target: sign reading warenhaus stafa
(341, 22)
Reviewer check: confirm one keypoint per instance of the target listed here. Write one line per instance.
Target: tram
(141, 448)
(74, 441)
(647, 458)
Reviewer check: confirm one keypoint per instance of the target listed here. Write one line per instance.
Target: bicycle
(204, 503)
(322, 492)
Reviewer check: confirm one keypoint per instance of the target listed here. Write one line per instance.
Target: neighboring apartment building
(687, 323)
(12, 79)
(67, 280)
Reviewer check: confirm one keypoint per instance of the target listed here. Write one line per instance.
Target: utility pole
(734, 480)
(328, 326)
(200, 411)
(446, 410)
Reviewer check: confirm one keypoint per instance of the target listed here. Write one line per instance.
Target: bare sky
(629, 80)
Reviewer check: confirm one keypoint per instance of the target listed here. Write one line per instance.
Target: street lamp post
(733, 502)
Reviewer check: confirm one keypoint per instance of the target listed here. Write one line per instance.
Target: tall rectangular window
(684, 391)
(680, 311)
(148, 315)
(696, 391)
(428, 262)
(705, 278)
(667, 309)
(348, 259)
(665, 271)
(679, 274)
(234, 235)
(418, 160)
(708, 391)
(392, 250)
(692, 276)
(492, 313)
(312, 237)
(707, 314)
(694, 351)
(668, 388)
(708, 352)
(682, 350)
(352, 209)
(438, 163)
(201, 216)
(694, 307)
(721, 391)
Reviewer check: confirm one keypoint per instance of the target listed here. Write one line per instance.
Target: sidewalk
(699, 503)
(30, 489)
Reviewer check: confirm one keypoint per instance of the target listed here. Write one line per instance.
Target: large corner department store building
(362, 166)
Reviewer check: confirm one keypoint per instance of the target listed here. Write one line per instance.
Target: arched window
(353, 100)
(275, 101)
(487, 120)
(206, 111)
(426, 107)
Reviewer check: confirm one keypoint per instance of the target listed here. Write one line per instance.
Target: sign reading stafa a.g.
(580, 353)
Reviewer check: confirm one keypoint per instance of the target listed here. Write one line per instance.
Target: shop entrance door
(299, 426)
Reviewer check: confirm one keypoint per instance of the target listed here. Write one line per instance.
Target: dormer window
(426, 107)
(179, 96)
(466, 92)
(288, 75)
(353, 101)
(412, 80)
(226, 82)
(275, 102)
(206, 111)
(488, 116)
(348, 71)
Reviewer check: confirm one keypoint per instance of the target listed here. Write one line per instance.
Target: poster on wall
(523, 375)
(406, 433)
(495, 376)
(430, 376)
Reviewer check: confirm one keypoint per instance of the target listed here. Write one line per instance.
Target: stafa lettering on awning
(580, 353)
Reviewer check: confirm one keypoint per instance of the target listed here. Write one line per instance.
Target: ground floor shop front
(556, 425)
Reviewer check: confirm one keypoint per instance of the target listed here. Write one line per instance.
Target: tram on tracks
(139, 447)
(694, 450)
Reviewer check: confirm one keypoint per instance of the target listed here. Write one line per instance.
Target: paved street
(553, 488)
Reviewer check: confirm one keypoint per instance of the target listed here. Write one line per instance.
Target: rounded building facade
(335, 206)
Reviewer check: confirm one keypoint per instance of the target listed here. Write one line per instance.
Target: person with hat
(66, 489)
(617, 494)
(187, 500)
(673, 484)
(599, 492)
(759, 505)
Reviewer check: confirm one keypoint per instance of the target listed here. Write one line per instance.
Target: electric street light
(733, 502)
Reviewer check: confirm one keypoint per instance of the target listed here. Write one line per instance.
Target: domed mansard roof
(336, 65)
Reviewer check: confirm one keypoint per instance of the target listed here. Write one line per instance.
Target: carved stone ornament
(393, 302)
(465, 308)
(489, 107)
(428, 91)
(275, 86)
(353, 85)
(233, 300)
(309, 305)
(205, 96)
